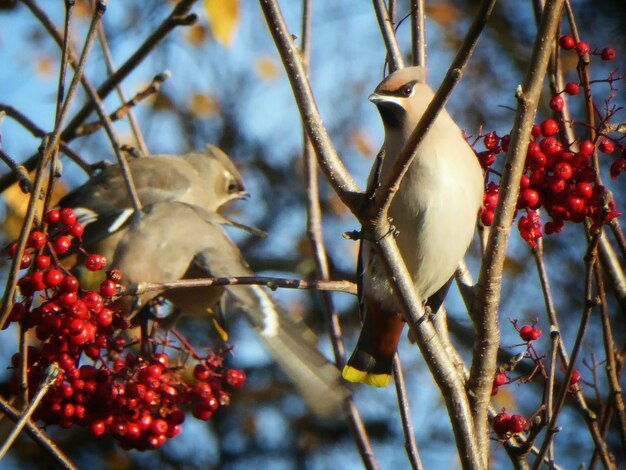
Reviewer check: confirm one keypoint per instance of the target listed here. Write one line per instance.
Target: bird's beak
(385, 100)
(243, 195)
(376, 98)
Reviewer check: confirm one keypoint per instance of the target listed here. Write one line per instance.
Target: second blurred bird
(180, 235)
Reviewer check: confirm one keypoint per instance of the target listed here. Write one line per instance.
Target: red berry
(563, 171)
(582, 48)
(501, 422)
(42, 262)
(105, 317)
(584, 190)
(576, 204)
(62, 244)
(586, 147)
(517, 424)
(53, 216)
(108, 288)
(486, 158)
(52, 277)
(530, 198)
(617, 167)
(529, 333)
(487, 216)
(37, 281)
(549, 127)
(95, 262)
(68, 217)
(25, 261)
(70, 284)
(37, 240)
(572, 88)
(575, 377)
(608, 53)
(606, 146)
(97, 428)
(491, 141)
(235, 377)
(567, 42)
(202, 412)
(536, 131)
(77, 230)
(158, 426)
(201, 372)
(500, 379)
(557, 103)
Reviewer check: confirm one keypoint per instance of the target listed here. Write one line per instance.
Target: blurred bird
(434, 213)
(174, 240)
(207, 179)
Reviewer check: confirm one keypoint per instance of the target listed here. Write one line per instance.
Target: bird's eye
(232, 186)
(407, 90)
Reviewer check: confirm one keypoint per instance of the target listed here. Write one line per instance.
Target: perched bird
(434, 213)
(173, 240)
(208, 179)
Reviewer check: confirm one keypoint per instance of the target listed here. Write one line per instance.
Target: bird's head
(402, 98)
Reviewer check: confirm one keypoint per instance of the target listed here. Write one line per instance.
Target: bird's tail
(315, 378)
(372, 360)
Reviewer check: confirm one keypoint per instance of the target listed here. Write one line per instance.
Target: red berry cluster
(505, 424)
(103, 385)
(558, 176)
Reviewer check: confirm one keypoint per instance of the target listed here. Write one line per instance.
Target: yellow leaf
(17, 203)
(223, 18)
(267, 69)
(362, 142)
(203, 105)
(196, 35)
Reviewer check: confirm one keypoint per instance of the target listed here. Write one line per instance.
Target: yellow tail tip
(352, 374)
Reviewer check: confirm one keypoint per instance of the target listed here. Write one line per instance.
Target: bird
(174, 240)
(208, 179)
(434, 215)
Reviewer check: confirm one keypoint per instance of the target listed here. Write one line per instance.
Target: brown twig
(489, 283)
(126, 109)
(394, 56)
(51, 374)
(21, 175)
(418, 32)
(405, 412)
(590, 303)
(31, 127)
(40, 438)
(132, 120)
(271, 282)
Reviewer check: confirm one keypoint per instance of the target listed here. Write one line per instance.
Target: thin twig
(126, 108)
(40, 438)
(405, 412)
(51, 374)
(418, 32)
(271, 282)
(132, 120)
(489, 283)
(394, 56)
(555, 337)
(26, 185)
(31, 127)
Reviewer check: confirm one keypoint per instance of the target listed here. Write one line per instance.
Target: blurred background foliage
(228, 87)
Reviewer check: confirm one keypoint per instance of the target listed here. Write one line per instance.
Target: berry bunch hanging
(104, 383)
(559, 176)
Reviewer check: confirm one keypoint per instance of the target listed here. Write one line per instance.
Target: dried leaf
(223, 16)
(267, 69)
(444, 14)
(196, 35)
(204, 105)
(362, 142)
(44, 66)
